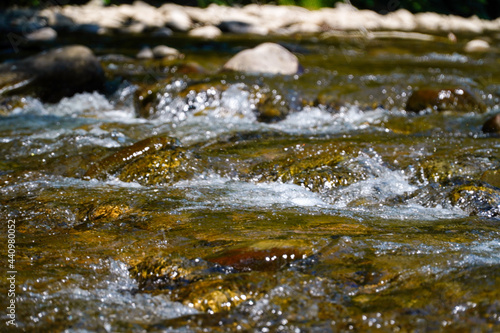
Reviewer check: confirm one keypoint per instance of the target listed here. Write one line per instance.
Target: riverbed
(313, 202)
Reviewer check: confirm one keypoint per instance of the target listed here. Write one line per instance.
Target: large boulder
(53, 74)
(266, 58)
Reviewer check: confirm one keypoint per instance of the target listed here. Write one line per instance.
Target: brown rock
(456, 99)
(492, 125)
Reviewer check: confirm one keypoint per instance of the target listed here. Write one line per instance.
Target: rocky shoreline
(215, 20)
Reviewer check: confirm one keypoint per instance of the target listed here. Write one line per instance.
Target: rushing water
(348, 214)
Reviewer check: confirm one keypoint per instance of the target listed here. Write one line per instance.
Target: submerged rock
(491, 177)
(268, 255)
(166, 273)
(266, 58)
(272, 107)
(53, 74)
(492, 125)
(457, 99)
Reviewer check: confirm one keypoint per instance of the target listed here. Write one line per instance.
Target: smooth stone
(477, 45)
(176, 17)
(266, 58)
(56, 73)
(163, 51)
(457, 99)
(492, 125)
(207, 32)
(145, 53)
(42, 35)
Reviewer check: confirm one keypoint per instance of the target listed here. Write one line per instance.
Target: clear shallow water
(350, 214)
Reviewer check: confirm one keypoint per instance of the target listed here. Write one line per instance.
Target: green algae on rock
(127, 155)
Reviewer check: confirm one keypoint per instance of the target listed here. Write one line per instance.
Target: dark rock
(238, 27)
(53, 74)
(477, 199)
(266, 58)
(457, 99)
(492, 125)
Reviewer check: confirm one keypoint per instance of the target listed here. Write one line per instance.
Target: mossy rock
(155, 273)
(477, 198)
(146, 100)
(8, 104)
(211, 295)
(455, 99)
(272, 107)
(312, 167)
(151, 161)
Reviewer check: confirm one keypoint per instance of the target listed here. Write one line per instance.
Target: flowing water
(340, 212)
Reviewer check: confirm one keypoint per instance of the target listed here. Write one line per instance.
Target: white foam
(316, 120)
(216, 191)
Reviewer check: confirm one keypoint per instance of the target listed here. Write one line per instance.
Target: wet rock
(492, 125)
(266, 58)
(309, 166)
(477, 45)
(167, 273)
(207, 32)
(160, 168)
(268, 255)
(42, 35)
(163, 51)
(477, 199)
(146, 99)
(54, 74)
(457, 99)
(129, 155)
(145, 53)
(491, 177)
(272, 107)
(442, 169)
